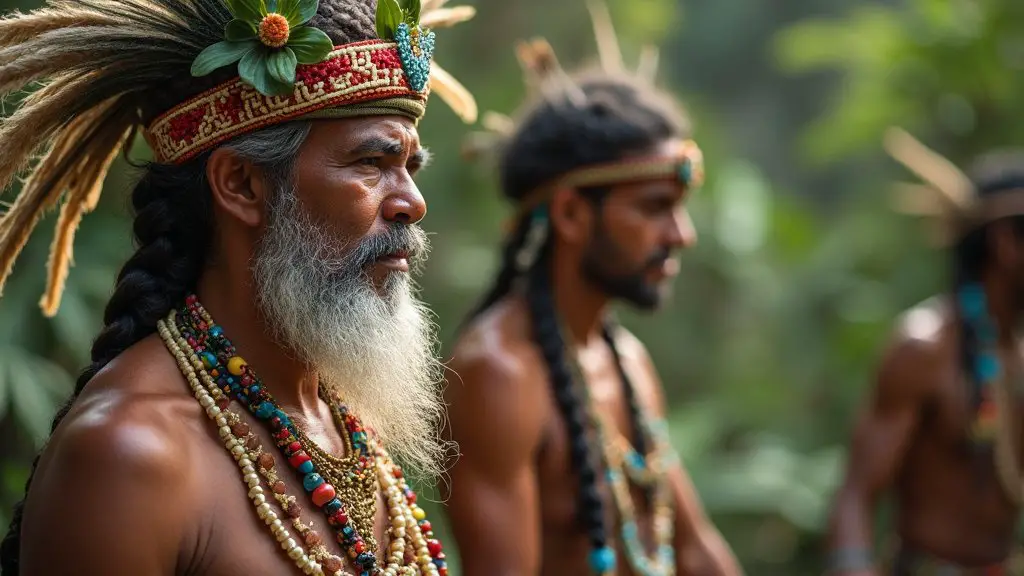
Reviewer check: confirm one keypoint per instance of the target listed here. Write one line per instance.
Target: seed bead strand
(646, 470)
(216, 413)
(265, 464)
(408, 521)
(649, 472)
(236, 377)
(663, 561)
(428, 550)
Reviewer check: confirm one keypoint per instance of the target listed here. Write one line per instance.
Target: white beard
(376, 349)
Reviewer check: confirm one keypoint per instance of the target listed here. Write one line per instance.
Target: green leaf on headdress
(298, 12)
(412, 12)
(281, 64)
(389, 16)
(310, 45)
(248, 10)
(221, 54)
(240, 30)
(254, 69)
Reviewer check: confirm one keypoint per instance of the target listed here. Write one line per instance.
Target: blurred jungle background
(781, 310)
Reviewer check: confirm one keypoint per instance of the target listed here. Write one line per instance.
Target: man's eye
(369, 161)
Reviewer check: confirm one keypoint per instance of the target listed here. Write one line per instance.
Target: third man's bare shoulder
(921, 347)
(926, 331)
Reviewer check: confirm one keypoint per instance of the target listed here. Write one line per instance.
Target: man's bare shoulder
(136, 412)
(920, 349)
(496, 348)
(496, 378)
(923, 333)
(122, 452)
(928, 325)
(142, 387)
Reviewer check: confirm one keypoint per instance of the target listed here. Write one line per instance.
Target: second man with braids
(564, 464)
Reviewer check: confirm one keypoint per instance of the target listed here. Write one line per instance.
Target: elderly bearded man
(262, 346)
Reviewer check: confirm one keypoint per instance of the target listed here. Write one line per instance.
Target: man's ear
(572, 216)
(238, 186)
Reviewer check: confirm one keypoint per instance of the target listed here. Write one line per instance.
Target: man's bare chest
(232, 535)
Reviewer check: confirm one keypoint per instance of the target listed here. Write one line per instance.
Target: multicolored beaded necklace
(993, 421)
(205, 355)
(623, 463)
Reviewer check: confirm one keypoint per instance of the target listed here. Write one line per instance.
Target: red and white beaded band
(352, 73)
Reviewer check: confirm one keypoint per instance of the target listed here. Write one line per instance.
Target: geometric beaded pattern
(352, 73)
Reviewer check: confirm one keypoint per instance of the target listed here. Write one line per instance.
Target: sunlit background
(781, 311)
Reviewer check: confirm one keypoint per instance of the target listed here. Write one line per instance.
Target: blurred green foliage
(784, 305)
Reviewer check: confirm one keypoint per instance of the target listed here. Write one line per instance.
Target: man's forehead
(366, 134)
(395, 127)
(664, 148)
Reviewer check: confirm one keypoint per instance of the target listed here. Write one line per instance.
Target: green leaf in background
(31, 398)
(4, 380)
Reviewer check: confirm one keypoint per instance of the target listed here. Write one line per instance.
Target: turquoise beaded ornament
(987, 368)
(401, 23)
(602, 560)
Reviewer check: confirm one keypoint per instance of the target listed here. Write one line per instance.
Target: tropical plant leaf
(281, 64)
(254, 69)
(412, 11)
(221, 54)
(290, 10)
(240, 30)
(75, 327)
(389, 16)
(310, 45)
(4, 393)
(14, 478)
(302, 11)
(248, 10)
(30, 399)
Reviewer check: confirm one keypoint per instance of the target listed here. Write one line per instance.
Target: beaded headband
(686, 167)
(70, 130)
(948, 197)
(370, 71)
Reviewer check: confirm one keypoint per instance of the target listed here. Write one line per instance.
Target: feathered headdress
(947, 196)
(101, 63)
(544, 76)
